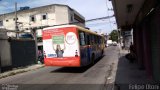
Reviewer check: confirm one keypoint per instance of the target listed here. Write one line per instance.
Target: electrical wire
(90, 20)
(108, 14)
(97, 24)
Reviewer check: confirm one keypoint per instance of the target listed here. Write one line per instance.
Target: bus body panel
(68, 62)
(90, 49)
(61, 47)
(85, 56)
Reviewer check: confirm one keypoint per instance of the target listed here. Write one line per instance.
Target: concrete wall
(5, 55)
(147, 39)
(155, 42)
(24, 18)
(61, 15)
(16, 52)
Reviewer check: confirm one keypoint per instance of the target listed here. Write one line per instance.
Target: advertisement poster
(60, 42)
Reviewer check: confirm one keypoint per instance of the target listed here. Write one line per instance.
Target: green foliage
(114, 35)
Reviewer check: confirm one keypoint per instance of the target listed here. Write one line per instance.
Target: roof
(36, 8)
(20, 11)
(126, 11)
(81, 28)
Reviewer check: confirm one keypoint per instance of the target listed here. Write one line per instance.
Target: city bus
(71, 46)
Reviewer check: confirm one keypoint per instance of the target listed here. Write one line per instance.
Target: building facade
(143, 17)
(49, 15)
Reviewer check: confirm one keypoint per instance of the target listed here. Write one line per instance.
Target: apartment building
(50, 15)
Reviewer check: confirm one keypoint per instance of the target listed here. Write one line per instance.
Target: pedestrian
(40, 56)
(131, 48)
(132, 55)
(122, 45)
(39, 53)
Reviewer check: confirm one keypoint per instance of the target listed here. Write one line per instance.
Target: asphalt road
(66, 78)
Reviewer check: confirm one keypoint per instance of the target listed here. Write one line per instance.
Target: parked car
(109, 42)
(114, 43)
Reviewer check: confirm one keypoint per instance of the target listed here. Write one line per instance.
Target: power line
(95, 24)
(90, 20)
(9, 8)
(108, 13)
(100, 18)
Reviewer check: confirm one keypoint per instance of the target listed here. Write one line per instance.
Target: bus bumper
(64, 62)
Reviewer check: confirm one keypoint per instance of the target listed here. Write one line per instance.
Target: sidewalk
(129, 74)
(20, 70)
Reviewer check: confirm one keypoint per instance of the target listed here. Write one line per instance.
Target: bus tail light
(76, 54)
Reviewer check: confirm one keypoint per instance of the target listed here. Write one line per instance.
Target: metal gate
(23, 52)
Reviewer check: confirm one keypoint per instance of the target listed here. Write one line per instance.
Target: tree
(114, 35)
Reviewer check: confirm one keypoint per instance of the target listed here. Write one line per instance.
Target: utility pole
(33, 30)
(16, 26)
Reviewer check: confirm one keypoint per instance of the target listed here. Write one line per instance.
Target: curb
(21, 70)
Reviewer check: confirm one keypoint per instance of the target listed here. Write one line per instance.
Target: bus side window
(92, 39)
(87, 39)
(90, 36)
(82, 38)
(96, 39)
(99, 40)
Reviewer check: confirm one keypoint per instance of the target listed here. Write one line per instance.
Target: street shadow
(75, 69)
(128, 74)
(10, 68)
(71, 69)
(5, 69)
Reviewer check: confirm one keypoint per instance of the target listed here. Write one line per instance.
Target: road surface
(96, 77)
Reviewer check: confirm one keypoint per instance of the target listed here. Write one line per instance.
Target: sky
(90, 9)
